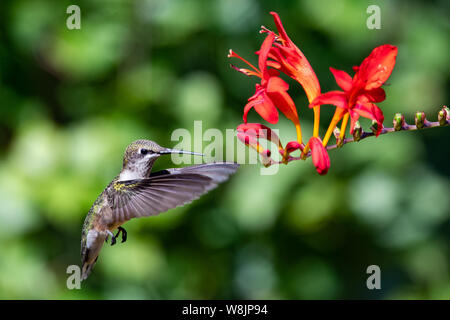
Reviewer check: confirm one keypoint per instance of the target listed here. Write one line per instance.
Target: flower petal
(258, 130)
(376, 68)
(336, 98)
(263, 105)
(371, 111)
(252, 142)
(343, 79)
(276, 90)
(280, 28)
(285, 104)
(319, 155)
(263, 55)
(375, 95)
(274, 64)
(276, 84)
(354, 116)
(293, 62)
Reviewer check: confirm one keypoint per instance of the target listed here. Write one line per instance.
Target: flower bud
(291, 146)
(357, 131)
(337, 135)
(420, 119)
(375, 127)
(399, 121)
(444, 116)
(319, 156)
(447, 109)
(336, 132)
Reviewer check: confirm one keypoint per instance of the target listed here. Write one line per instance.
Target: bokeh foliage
(72, 100)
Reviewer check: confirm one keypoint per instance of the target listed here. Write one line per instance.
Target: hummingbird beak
(170, 151)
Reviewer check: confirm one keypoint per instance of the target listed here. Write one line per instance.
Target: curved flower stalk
(357, 98)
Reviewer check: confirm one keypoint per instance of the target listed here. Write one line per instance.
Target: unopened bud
(399, 121)
(420, 119)
(357, 131)
(444, 116)
(337, 135)
(374, 127)
(447, 109)
(336, 132)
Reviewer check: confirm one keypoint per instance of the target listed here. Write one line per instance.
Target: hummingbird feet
(114, 237)
(124, 234)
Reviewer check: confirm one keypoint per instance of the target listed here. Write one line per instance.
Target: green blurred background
(72, 100)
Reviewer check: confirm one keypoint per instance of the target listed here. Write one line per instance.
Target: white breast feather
(128, 175)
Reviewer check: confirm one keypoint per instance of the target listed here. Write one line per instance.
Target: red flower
(360, 93)
(287, 57)
(319, 155)
(250, 133)
(271, 93)
(256, 131)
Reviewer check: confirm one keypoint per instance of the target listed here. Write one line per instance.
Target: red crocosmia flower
(271, 93)
(319, 155)
(360, 93)
(285, 56)
(252, 142)
(250, 133)
(257, 130)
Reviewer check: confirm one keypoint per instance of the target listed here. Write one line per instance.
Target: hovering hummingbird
(138, 192)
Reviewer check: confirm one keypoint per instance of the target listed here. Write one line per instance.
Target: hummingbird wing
(167, 189)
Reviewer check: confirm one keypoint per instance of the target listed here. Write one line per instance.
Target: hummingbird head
(140, 156)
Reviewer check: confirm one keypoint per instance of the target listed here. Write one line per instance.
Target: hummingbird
(138, 192)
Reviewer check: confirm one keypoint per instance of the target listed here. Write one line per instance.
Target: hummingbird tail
(90, 251)
(86, 269)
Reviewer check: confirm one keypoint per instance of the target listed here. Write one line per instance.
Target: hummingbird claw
(113, 238)
(124, 234)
